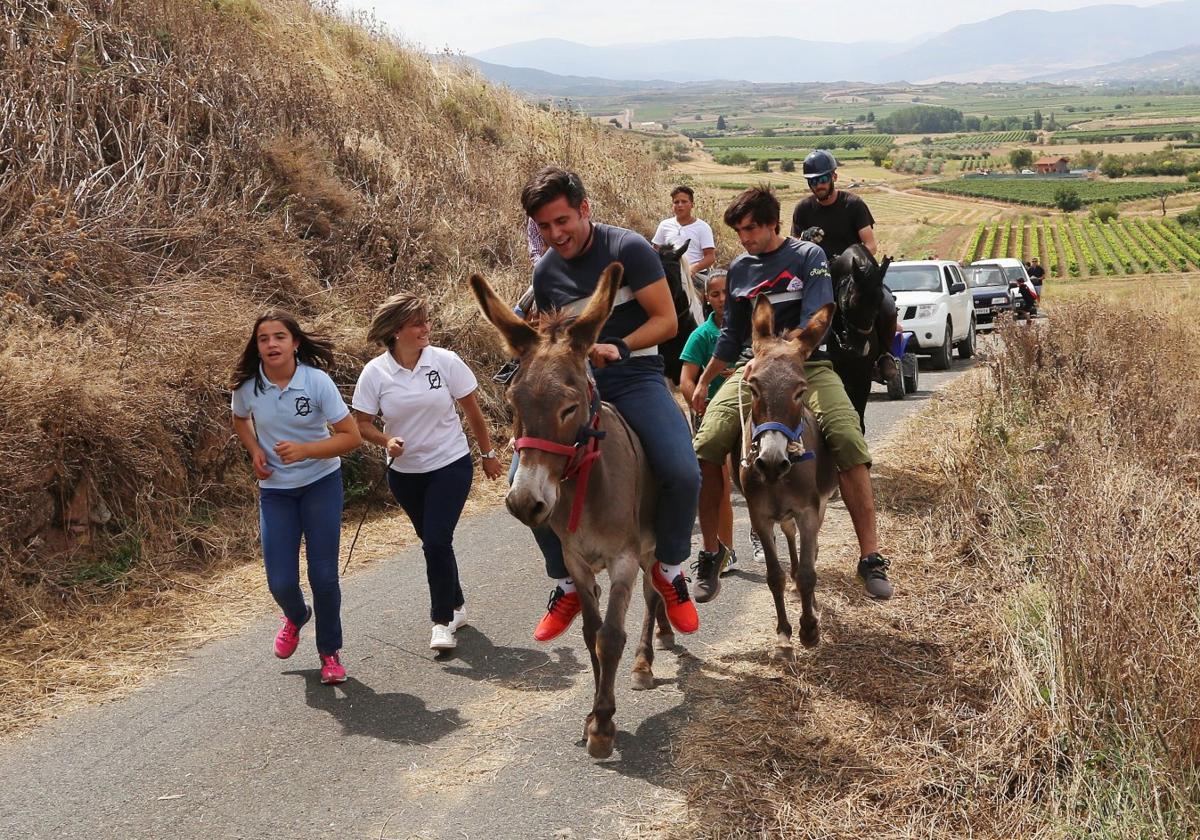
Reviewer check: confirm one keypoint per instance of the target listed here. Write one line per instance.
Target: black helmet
(819, 163)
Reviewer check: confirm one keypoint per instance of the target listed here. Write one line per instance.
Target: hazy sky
(474, 25)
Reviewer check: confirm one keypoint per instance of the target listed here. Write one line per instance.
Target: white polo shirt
(301, 413)
(418, 405)
(670, 232)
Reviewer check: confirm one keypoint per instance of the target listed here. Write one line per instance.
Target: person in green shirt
(695, 356)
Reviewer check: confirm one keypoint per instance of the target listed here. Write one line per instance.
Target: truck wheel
(966, 347)
(941, 356)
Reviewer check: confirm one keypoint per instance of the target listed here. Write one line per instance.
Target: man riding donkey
(628, 374)
(835, 220)
(794, 275)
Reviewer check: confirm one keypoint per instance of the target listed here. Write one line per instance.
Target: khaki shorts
(826, 398)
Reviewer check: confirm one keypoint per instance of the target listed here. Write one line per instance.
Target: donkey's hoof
(642, 680)
(810, 636)
(600, 746)
(599, 737)
(664, 641)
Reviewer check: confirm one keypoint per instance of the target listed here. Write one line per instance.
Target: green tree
(1067, 199)
(877, 154)
(1020, 159)
(870, 116)
(768, 132)
(1037, 119)
(787, 165)
(1105, 212)
(763, 165)
(852, 144)
(721, 122)
(1112, 166)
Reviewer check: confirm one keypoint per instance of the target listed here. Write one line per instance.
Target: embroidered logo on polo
(303, 406)
(435, 380)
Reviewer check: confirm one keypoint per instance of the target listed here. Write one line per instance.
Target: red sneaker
(681, 612)
(289, 636)
(560, 612)
(332, 670)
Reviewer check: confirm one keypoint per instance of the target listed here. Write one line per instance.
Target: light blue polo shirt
(302, 413)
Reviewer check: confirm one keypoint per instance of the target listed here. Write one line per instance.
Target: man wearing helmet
(843, 217)
(835, 220)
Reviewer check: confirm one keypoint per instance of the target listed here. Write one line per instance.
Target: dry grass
(1035, 676)
(167, 170)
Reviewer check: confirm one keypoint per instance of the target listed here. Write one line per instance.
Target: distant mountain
(1009, 47)
(542, 83)
(1167, 65)
(766, 59)
(1018, 45)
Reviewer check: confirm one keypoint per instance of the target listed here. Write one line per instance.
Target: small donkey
(601, 508)
(788, 474)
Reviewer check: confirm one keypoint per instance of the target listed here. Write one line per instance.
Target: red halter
(580, 457)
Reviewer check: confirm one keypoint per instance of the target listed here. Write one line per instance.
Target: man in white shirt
(684, 227)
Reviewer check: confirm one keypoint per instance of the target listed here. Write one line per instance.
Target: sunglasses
(820, 179)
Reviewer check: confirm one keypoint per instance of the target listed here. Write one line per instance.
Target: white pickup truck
(936, 310)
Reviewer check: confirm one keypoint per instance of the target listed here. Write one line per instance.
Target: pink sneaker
(331, 669)
(289, 636)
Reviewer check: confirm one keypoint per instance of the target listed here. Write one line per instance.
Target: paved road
(483, 744)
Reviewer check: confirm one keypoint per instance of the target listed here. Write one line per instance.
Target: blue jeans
(434, 501)
(638, 390)
(314, 511)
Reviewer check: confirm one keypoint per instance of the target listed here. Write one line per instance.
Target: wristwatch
(491, 453)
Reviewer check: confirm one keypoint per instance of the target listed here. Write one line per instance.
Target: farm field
(1040, 192)
(1074, 246)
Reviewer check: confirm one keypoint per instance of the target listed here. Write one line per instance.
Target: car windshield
(914, 278)
(984, 275)
(1014, 273)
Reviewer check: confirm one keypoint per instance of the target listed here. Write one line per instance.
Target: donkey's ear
(813, 334)
(586, 328)
(519, 337)
(762, 321)
(682, 249)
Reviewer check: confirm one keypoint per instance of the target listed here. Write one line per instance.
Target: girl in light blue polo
(283, 405)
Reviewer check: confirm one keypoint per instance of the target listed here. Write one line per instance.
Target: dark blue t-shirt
(795, 277)
(558, 283)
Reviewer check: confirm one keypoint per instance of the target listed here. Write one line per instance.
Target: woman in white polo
(415, 387)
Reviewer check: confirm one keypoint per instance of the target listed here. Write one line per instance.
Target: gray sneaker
(708, 568)
(872, 570)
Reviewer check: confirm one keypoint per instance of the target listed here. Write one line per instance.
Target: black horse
(686, 306)
(864, 327)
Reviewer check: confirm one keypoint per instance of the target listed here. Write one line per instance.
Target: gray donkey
(601, 508)
(787, 473)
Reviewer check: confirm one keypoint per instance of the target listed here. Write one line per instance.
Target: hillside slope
(167, 170)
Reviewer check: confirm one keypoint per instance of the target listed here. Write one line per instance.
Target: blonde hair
(394, 313)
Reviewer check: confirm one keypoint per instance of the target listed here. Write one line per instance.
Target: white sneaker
(442, 638)
(460, 619)
(760, 556)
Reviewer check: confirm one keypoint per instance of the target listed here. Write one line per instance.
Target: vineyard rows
(797, 141)
(1132, 131)
(1089, 248)
(975, 141)
(1040, 191)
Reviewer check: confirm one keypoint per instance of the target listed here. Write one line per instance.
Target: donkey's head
(777, 385)
(550, 395)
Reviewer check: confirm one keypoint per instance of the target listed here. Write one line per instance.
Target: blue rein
(794, 435)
